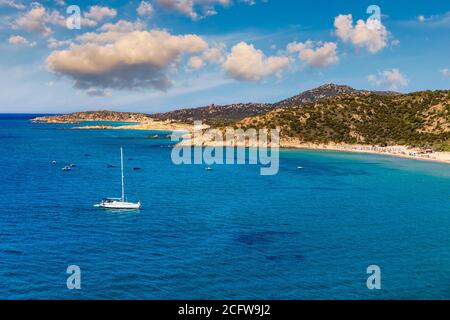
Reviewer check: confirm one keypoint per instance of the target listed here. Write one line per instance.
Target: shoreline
(287, 143)
(151, 125)
(442, 157)
(398, 151)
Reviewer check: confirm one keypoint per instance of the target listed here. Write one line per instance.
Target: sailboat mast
(121, 166)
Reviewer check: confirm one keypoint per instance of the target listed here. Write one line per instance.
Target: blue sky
(171, 54)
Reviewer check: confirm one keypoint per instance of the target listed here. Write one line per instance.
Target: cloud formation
(371, 35)
(39, 20)
(245, 62)
(96, 14)
(145, 9)
(98, 93)
(392, 78)
(20, 41)
(123, 26)
(213, 55)
(434, 21)
(190, 7)
(54, 43)
(196, 62)
(317, 55)
(12, 4)
(36, 20)
(110, 32)
(106, 61)
(445, 72)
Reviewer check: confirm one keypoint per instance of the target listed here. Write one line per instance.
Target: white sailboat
(119, 203)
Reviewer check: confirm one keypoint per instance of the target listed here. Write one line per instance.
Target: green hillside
(415, 119)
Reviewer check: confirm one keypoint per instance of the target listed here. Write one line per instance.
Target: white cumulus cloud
(96, 14)
(35, 20)
(371, 35)
(107, 62)
(213, 55)
(315, 54)
(110, 32)
(123, 26)
(196, 62)
(245, 62)
(392, 78)
(190, 8)
(39, 19)
(145, 9)
(20, 41)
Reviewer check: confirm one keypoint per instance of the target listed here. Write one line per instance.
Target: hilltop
(415, 119)
(324, 91)
(327, 114)
(220, 115)
(214, 115)
(217, 115)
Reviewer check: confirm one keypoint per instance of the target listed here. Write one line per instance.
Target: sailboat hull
(119, 205)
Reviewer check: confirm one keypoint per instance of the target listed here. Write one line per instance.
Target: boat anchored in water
(119, 203)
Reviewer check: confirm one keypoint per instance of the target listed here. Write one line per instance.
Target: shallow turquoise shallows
(229, 233)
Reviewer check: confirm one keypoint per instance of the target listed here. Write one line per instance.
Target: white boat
(119, 203)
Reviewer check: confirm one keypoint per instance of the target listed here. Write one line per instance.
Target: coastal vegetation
(417, 119)
(102, 115)
(327, 114)
(224, 115)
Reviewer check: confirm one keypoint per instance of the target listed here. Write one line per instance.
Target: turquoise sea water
(225, 234)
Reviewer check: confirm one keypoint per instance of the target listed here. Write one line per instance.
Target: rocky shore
(104, 115)
(146, 122)
(138, 121)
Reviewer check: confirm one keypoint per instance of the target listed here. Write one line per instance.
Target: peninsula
(331, 117)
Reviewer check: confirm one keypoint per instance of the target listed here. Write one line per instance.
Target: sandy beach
(285, 143)
(147, 125)
(396, 151)
(292, 143)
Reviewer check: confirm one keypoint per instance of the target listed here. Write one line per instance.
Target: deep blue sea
(225, 234)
